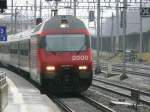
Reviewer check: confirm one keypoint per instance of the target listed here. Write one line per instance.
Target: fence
(3, 91)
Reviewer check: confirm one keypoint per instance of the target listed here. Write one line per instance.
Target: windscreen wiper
(78, 52)
(53, 52)
(49, 50)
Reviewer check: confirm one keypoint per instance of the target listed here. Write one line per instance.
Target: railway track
(129, 70)
(63, 103)
(134, 66)
(120, 90)
(128, 65)
(132, 72)
(121, 86)
(97, 104)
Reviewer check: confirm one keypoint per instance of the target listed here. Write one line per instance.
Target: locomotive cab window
(66, 42)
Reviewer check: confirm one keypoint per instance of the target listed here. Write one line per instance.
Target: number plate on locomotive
(79, 58)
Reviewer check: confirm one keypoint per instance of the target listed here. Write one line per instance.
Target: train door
(24, 55)
(19, 54)
(28, 55)
(34, 72)
(14, 54)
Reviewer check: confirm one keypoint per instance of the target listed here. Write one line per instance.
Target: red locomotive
(57, 54)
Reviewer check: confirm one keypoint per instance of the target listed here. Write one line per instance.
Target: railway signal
(3, 5)
(91, 16)
(38, 21)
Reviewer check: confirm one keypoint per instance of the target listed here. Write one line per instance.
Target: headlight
(50, 68)
(64, 26)
(82, 67)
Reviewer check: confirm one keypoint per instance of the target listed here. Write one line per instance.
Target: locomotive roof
(55, 22)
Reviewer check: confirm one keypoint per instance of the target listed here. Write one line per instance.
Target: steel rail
(96, 104)
(61, 104)
(121, 86)
(92, 102)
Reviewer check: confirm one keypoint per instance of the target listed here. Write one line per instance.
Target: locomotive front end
(67, 56)
(68, 62)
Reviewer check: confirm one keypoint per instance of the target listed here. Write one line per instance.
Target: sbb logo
(79, 58)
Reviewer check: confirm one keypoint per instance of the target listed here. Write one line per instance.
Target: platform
(24, 97)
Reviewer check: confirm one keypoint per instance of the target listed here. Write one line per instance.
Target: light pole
(98, 68)
(15, 30)
(74, 8)
(40, 9)
(123, 75)
(35, 9)
(12, 16)
(112, 31)
(101, 33)
(56, 7)
(141, 34)
(117, 26)
(26, 24)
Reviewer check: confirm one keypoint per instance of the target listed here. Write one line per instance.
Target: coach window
(24, 52)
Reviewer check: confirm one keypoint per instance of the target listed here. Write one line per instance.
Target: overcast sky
(80, 12)
(46, 12)
(31, 2)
